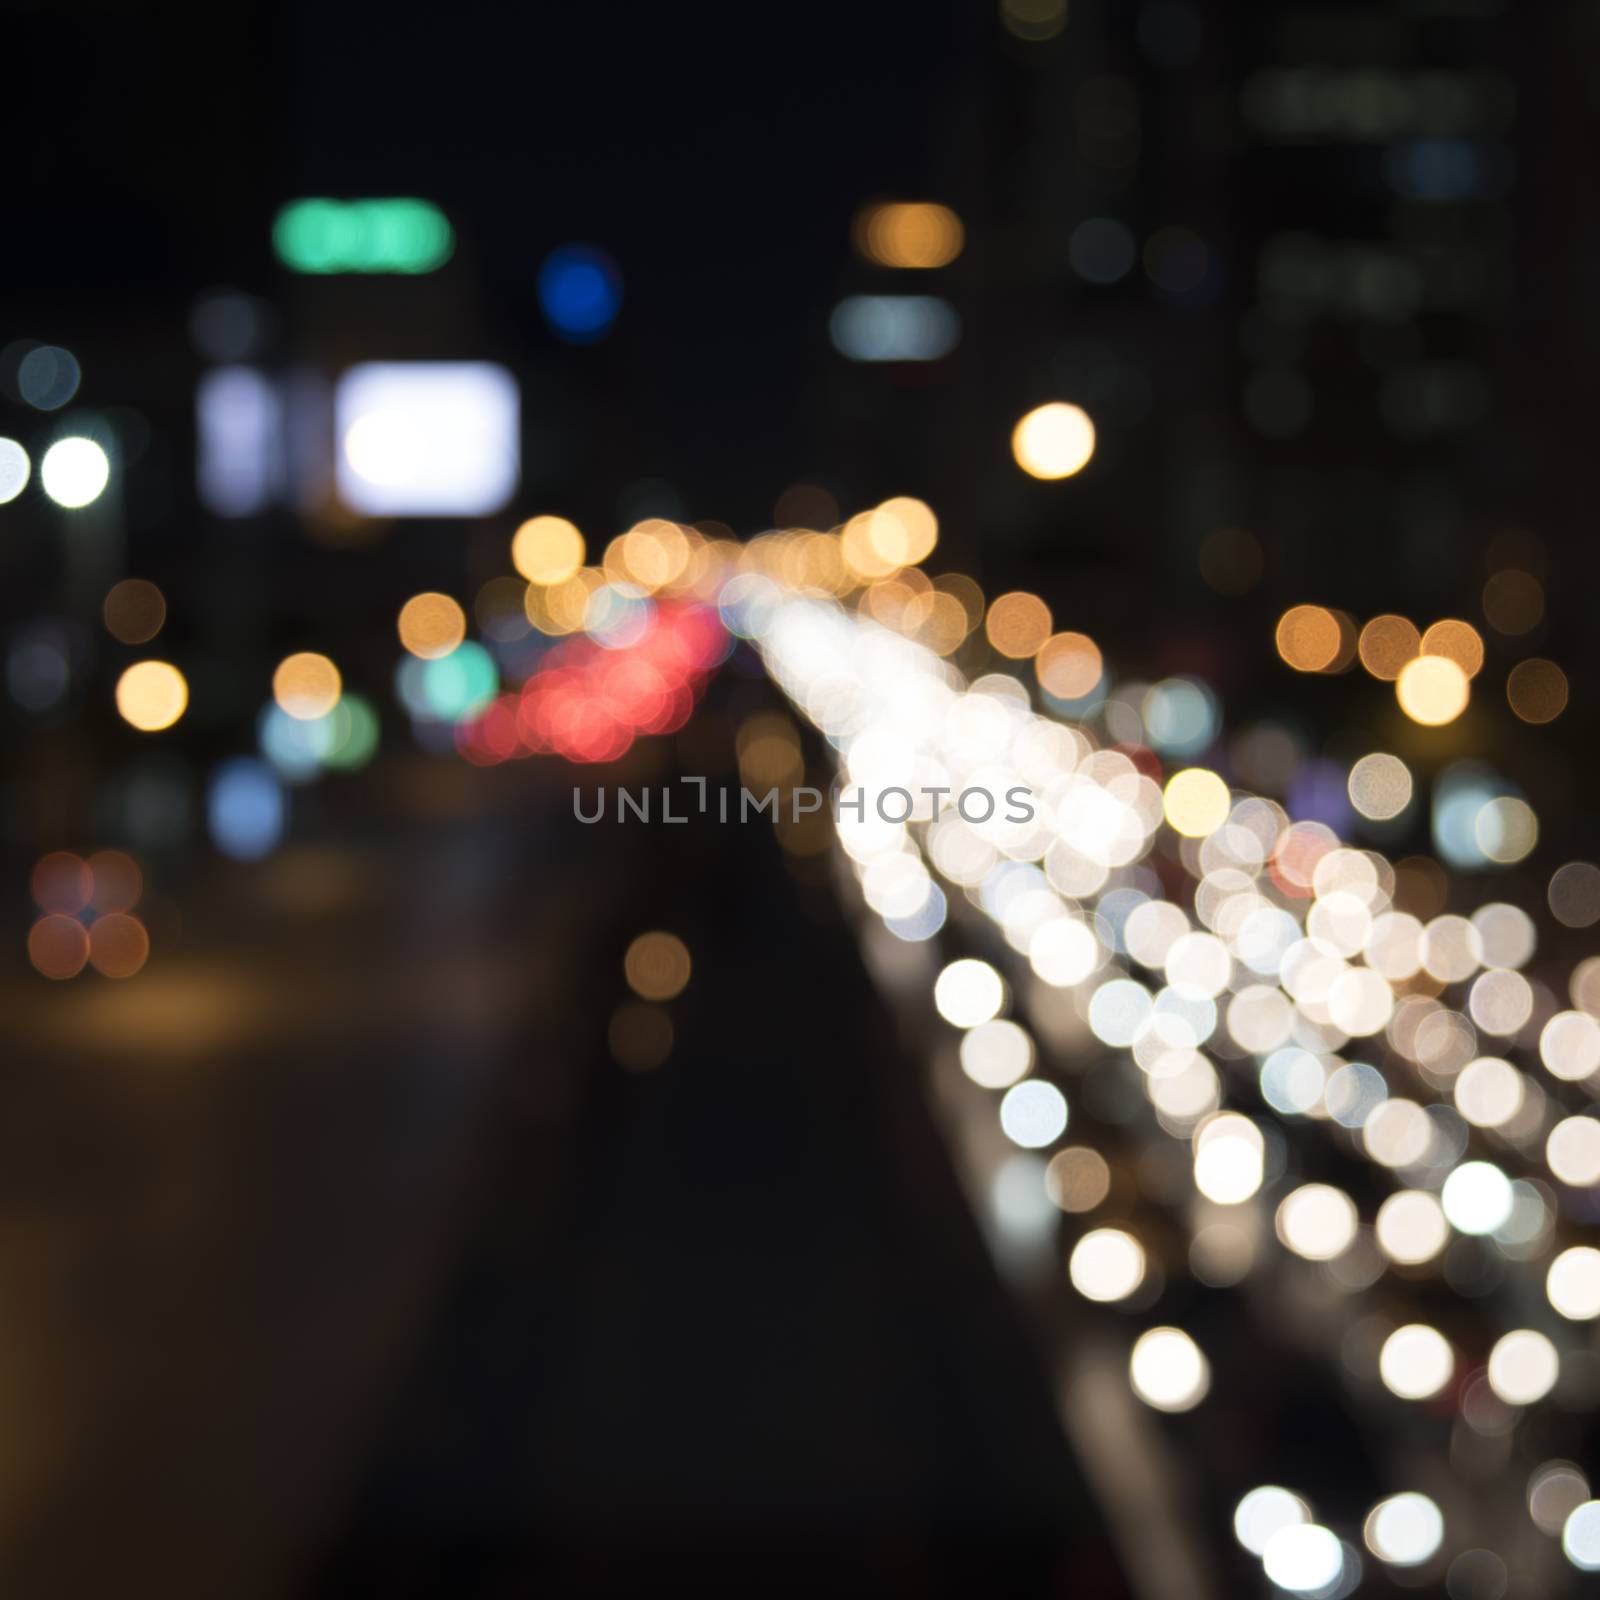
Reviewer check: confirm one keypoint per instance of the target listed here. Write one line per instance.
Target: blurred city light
(1333, 1103)
(1416, 1362)
(1380, 787)
(1034, 1114)
(134, 611)
(1107, 1264)
(1263, 1512)
(1018, 625)
(353, 734)
(1053, 441)
(152, 695)
(1513, 602)
(227, 325)
(1168, 1370)
(1304, 1558)
(75, 472)
(1537, 691)
(58, 946)
(239, 435)
(48, 377)
(1102, 250)
(894, 327)
(245, 809)
(118, 945)
(457, 685)
(362, 236)
(1313, 639)
(580, 293)
(306, 685)
(909, 234)
(1386, 644)
(1573, 894)
(1580, 1537)
(640, 1036)
(547, 550)
(1432, 690)
(968, 993)
(15, 469)
(1457, 641)
(657, 966)
(431, 625)
(39, 668)
(427, 438)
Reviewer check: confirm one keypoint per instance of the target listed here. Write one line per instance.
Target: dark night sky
(717, 151)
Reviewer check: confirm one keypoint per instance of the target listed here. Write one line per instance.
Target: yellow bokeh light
(1069, 665)
(1309, 638)
(1053, 441)
(651, 555)
(1457, 641)
(937, 619)
(814, 563)
(909, 234)
(903, 531)
(1432, 690)
(431, 625)
(1387, 643)
(547, 550)
(886, 602)
(306, 685)
(657, 966)
(860, 551)
(152, 695)
(1018, 624)
(1537, 690)
(1196, 802)
(966, 593)
(562, 608)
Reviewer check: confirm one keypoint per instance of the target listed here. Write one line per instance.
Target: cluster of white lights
(1305, 1558)
(1294, 951)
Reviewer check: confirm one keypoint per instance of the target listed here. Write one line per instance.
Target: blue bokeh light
(580, 293)
(245, 809)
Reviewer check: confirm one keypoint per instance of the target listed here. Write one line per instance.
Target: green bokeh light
(461, 683)
(326, 236)
(354, 727)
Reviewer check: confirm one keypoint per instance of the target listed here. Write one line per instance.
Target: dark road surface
(338, 1258)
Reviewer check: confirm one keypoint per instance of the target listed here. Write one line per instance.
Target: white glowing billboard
(427, 438)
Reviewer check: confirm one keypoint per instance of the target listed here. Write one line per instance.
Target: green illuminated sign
(362, 236)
